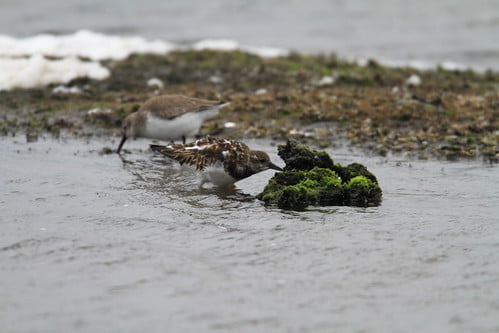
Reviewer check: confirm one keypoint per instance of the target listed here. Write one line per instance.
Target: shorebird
(169, 118)
(221, 161)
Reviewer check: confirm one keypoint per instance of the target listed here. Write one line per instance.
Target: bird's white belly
(216, 175)
(186, 125)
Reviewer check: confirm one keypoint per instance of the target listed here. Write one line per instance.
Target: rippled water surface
(91, 242)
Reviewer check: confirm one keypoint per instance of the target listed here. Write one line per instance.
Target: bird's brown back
(207, 151)
(171, 106)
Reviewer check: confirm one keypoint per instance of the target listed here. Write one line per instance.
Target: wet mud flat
(317, 100)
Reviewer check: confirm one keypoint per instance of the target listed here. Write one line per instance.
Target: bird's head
(128, 129)
(260, 160)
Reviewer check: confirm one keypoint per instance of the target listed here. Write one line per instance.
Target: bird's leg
(183, 139)
(231, 188)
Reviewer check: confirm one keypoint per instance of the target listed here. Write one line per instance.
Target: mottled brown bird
(221, 161)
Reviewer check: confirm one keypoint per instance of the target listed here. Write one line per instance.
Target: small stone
(66, 90)
(413, 81)
(31, 137)
(155, 82)
(326, 81)
(215, 79)
(99, 112)
(106, 151)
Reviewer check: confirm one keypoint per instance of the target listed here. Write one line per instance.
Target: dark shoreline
(449, 115)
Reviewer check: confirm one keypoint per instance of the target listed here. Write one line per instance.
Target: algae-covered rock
(300, 157)
(353, 170)
(362, 191)
(311, 178)
(297, 189)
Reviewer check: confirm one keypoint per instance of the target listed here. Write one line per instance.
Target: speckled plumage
(235, 157)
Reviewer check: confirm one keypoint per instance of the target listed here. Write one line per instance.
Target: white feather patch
(195, 148)
(173, 129)
(216, 175)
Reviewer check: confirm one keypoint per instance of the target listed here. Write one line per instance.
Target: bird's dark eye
(262, 160)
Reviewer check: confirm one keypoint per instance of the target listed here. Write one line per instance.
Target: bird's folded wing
(200, 159)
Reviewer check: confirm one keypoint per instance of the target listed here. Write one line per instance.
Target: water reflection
(156, 174)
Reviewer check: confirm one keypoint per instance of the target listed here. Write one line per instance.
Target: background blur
(427, 31)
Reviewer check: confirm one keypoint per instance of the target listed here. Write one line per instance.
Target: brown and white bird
(221, 161)
(169, 118)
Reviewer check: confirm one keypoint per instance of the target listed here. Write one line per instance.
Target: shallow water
(91, 241)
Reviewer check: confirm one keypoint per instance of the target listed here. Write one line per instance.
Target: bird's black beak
(122, 142)
(275, 167)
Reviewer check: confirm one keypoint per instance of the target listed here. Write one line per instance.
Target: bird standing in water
(169, 118)
(220, 161)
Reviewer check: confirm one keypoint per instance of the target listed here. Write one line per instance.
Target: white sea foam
(216, 44)
(266, 52)
(454, 66)
(97, 46)
(22, 63)
(84, 43)
(38, 71)
(232, 45)
(35, 70)
(418, 64)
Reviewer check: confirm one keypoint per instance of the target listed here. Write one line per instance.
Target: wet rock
(31, 136)
(353, 170)
(66, 90)
(299, 157)
(311, 178)
(155, 83)
(413, 81)
(106, 151)
(326, 81)
(362, 191)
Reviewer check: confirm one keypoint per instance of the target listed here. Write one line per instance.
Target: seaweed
(300, 157)
(311, 178)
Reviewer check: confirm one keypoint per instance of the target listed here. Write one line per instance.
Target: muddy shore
(318, 100)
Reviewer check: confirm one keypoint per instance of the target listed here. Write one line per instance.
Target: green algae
(299, 157)
(297, 189)
(353, 170)
(363, 191)
(311, 178)
(369, 105)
